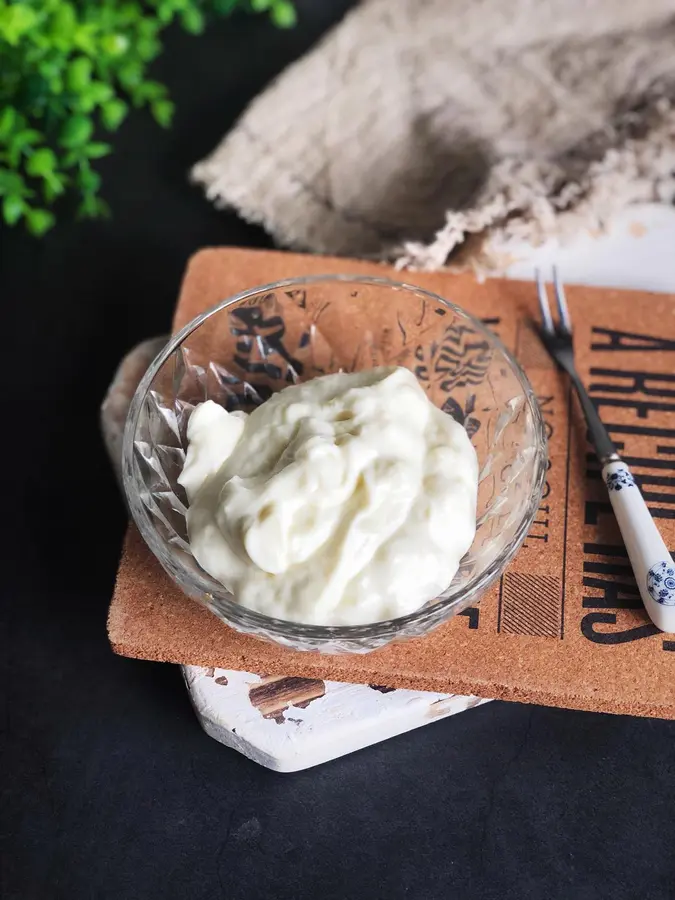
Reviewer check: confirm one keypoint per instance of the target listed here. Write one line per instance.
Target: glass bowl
(261, 340)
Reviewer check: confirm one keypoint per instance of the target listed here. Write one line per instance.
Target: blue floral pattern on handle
(617, 481)
(661, 583)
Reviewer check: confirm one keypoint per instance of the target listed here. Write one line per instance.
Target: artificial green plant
(70, 69)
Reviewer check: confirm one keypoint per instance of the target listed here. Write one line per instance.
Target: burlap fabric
(418, 123)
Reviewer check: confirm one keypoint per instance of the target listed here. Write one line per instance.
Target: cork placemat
(565, 625)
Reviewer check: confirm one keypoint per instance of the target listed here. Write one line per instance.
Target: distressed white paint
(347, 718)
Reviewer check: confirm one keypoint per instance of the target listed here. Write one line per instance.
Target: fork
(652, 564)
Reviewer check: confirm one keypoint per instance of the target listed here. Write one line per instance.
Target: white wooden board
(288, 724)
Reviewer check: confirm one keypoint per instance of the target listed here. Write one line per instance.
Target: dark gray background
(111, 789)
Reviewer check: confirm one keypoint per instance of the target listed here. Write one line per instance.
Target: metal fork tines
(558, 340)
(565, 326)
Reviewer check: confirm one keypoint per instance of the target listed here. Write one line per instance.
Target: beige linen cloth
(416, 124)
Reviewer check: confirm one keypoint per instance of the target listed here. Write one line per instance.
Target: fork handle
(652, 564)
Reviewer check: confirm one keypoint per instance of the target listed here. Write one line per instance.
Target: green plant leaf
(114, 113)
(89, 180)
(72, 158)
(84, 38)
(20, 142)
(13, 156)
(68, 65)
(149, 91)
(225, 7)
(76, 131)
(148, 27)
(96, 150)
(128, 13)
(88, 208)
(94, 95)
(165, 12)
(192, 20)
(41, 163)
(16, 20)
(114, 45)
(100, 91)
(27, 137)
(62, 24)
(13, 183)
(8, 119)
(130, 75)
(283, 14)
(12, 208)
(148, 48)
(78, 74)
(39, 221)
(53, 187)
(50, 66)
(162, 111)
(102, 208)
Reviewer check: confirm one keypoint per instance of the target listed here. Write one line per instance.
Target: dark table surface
(111, 788)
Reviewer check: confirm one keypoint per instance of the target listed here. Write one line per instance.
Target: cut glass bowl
(261, 340)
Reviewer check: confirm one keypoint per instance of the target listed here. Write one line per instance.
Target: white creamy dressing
(343, 501)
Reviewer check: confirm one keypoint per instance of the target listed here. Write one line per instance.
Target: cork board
(565, 625)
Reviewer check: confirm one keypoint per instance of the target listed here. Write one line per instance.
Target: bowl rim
(256, 621)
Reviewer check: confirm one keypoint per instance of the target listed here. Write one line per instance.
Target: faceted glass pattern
(258, 342)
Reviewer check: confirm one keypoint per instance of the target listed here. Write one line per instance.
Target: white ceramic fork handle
(652, 564)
